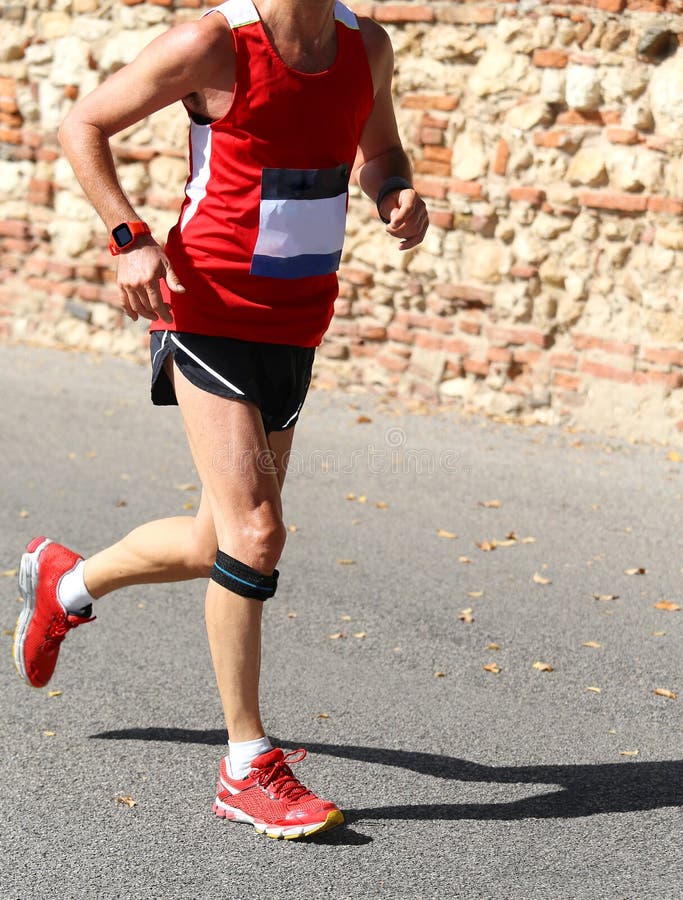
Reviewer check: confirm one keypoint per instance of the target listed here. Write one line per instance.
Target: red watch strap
(134, 228)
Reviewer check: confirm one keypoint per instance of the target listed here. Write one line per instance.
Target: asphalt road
(465, 784)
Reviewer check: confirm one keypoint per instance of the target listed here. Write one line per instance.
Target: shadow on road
(575, 790)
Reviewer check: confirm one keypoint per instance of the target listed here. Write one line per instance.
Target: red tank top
(261, 229)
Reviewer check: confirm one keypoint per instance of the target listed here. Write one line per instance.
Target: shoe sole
(288, 833)
(28, 581)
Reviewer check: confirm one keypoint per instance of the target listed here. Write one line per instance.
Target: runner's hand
(408, 217)
(139, 272)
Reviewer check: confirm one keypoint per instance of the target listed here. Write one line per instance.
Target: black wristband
(396, 183)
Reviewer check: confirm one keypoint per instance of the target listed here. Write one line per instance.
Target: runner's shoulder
(376, 40)
(205, 42)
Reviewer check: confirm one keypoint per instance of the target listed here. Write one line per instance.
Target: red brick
(568, 382)
(622, 135)
(47, 154)
(583, 59)
(590, 342)
(533, 196)
(600, 370)
(62, 271)
(372, 332)
(550, 59)
(665, 205)
(429, 187)
(403, 13)
(438, 154)
(563, 360)
(468, 326)
(396, 332)
(457, 346)
(615, 201)
(127, 151)
(467, 188)
(430, 121)
(520, 270)
(500, 161)
(431, 167)
(613, 6)
(441, 218)
(465, 292)
(428, 341)
(467, 15)
(663, 355)
(476, 366)
(556, 139)
(578, 117)
(8, 87)
(514, 335)
(444, 102)
(583, 29)
(360, 277)
(668, 379)
(392, 363)
(17, 245)
(498, 354)
(10, 136)
(658, 142)
(16, 228)
(431, 136)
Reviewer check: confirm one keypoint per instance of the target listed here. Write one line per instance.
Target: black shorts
(275, 377)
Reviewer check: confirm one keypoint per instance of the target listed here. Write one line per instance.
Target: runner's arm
(174, 66)
(381, 155)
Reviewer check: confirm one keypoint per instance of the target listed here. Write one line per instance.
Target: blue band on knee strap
(242, 579)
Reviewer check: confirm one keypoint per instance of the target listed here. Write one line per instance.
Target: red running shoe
(273, 800)
(43, 623)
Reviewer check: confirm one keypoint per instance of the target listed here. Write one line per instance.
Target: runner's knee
(258, 541)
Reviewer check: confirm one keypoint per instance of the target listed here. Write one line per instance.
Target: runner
(285, 99)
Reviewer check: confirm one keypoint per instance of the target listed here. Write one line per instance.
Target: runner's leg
(173, 549)
(241, 480)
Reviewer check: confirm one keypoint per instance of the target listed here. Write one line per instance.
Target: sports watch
(125, 235)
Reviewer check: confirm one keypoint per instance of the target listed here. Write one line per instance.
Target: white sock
(71, 590)
(242, 753)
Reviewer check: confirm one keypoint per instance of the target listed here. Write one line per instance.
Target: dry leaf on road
(337, 635)
(49, 733)
(186, 487)
(667, 605)
(465, 615)
(663, 692)
(54, 693)
(487, 546)
(442, 533)
(593, 644)
(629, 752)
(475, 593)
(9, 573)
(543, 667)
(539, 579)
(493, 667)
(360, 635)
(490, 504)
(595, 690)
(605, 596)
(127, 801)
(641, 570)
(346, 562)
(464, 559)
(492, 646)
(439, 674)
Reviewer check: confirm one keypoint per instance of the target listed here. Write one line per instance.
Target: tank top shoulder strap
(344, 15)
(237, 12)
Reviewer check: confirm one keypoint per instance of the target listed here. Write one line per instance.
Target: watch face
(122, 235)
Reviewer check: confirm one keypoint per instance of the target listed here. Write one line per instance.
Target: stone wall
(546, 139)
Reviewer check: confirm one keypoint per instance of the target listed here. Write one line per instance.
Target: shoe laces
(61, 624)
(280, 779)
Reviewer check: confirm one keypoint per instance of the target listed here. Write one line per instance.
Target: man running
(283, 97)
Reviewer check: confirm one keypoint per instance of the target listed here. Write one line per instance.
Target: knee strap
(242, 579)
